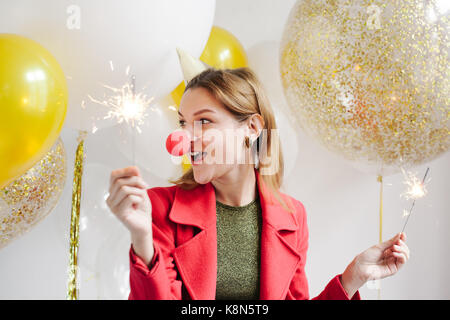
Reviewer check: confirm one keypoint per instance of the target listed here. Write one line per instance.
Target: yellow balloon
(185, 163)
(222, 51)
(178, 93)
(33, 104)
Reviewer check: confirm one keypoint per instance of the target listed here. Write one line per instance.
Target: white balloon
(96, 42)
(112, 267)
(97, 222)
(263, 60)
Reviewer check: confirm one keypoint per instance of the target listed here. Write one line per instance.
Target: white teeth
(197, 154)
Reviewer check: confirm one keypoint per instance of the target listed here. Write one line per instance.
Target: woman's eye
(203, 121)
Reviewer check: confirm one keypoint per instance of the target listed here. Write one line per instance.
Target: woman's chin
(202, 175)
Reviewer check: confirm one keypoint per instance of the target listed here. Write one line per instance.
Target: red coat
(184, 265)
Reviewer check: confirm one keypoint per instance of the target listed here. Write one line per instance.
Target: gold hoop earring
(247, 141)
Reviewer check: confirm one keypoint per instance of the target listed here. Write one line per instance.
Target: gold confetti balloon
(370, 79)
(30, 198)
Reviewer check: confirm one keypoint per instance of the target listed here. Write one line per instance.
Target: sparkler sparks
(126, 105)
(416, 190)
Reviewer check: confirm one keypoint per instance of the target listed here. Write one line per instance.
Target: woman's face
(217, 138)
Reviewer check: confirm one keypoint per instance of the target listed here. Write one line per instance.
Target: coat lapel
(279, 258)
(196, 257)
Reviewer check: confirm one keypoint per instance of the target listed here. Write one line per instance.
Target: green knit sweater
(238, 251)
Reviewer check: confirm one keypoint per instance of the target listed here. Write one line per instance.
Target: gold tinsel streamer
(380, 180)
(72, 293)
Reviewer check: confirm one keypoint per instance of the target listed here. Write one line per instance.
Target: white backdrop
(342, 205)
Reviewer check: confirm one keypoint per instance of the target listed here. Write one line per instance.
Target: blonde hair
(240, 91)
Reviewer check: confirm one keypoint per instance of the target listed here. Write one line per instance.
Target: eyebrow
(198, 112)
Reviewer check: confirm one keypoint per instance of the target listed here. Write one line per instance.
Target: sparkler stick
(133, 93)
(416, 188)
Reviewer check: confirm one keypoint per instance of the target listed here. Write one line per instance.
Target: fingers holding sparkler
(399, 250)
(381, 260)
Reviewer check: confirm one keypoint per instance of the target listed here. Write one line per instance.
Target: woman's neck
(236, 188)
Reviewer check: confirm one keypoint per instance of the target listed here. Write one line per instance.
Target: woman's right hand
(129, 202)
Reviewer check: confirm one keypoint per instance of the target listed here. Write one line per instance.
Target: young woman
(224, 230)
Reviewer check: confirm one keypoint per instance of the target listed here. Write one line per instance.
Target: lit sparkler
(125, 105)
(416, 190)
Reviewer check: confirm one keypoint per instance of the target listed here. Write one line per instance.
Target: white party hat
(190, 66)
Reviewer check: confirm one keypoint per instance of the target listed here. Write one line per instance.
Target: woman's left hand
(382, 260)
(377, 262)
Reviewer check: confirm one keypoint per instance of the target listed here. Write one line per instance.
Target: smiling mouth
(197, 156)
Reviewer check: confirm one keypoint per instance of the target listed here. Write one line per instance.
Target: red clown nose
(178, 142)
